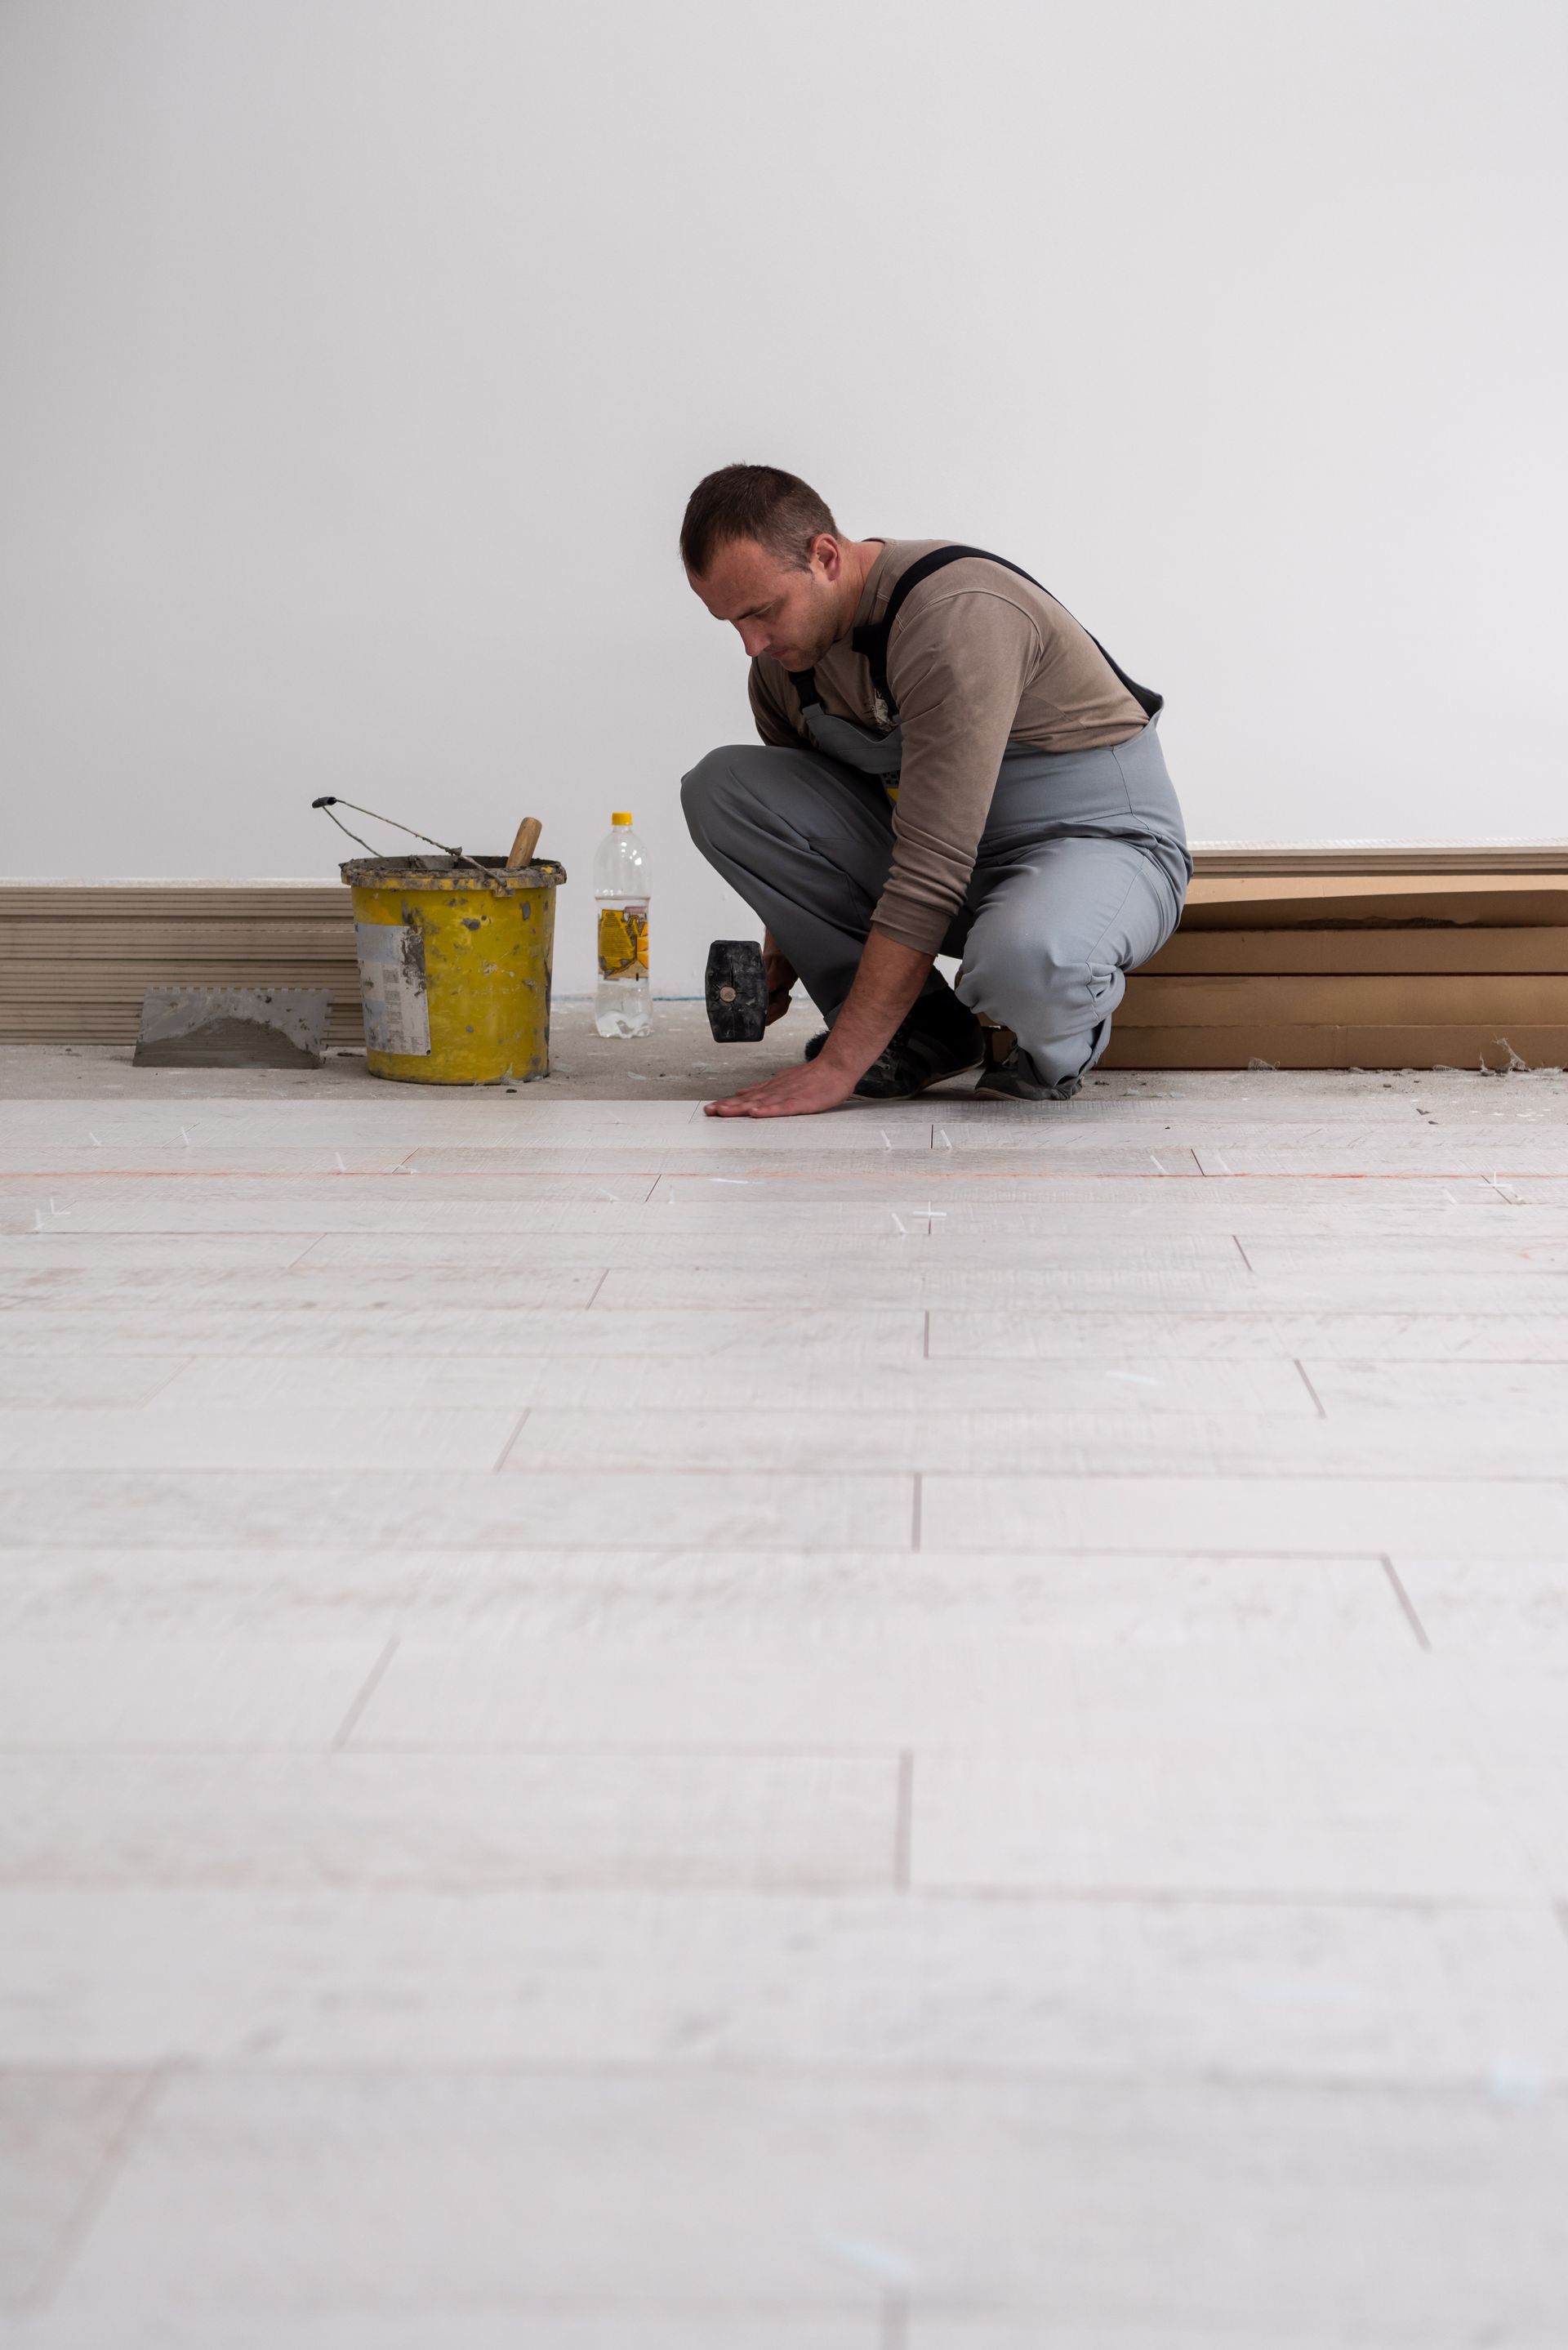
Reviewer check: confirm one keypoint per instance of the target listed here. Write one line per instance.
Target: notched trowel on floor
(232, 1028)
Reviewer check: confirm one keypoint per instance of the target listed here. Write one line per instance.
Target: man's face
(792, 614)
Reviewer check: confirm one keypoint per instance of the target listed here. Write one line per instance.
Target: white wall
(359, 356)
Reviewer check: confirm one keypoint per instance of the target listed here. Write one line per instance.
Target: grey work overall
(1079, 876)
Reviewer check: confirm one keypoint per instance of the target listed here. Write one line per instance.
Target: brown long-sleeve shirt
(978, 659)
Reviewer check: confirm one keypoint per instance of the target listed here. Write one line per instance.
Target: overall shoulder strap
(872, 639)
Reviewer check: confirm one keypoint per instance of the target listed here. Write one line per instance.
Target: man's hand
(817, 1085)
(781, 977)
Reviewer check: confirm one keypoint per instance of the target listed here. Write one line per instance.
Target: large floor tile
(456, 2326)
(36, 1168)
(1208, 1794)
(932, 1285)
(53, 1250)
(113, 1692)
(239, 1291)
(1252, 1513)
(1488, 1393)
(877, 1688)
(342, 1386)
(1358, 1155)
(743, 1510)
(1040, 2329)
(37, 1383)
(1425, 1333)
(184, 1432)
(447, 1820)
(216, 1591)
(400, 1324)
(945, 1440)
(1383, 2215)
(1471, 1994)
(692, 1385)
(321, 1200)
(1502, 1251)
(280, 1591)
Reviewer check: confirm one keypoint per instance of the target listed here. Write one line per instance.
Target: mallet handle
(526, 842)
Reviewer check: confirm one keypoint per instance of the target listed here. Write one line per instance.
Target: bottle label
(623, 942)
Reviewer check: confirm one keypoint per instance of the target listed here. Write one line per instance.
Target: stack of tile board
(1359, 959)
(76, 957)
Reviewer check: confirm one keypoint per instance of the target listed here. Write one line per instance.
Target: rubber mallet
(736, 991)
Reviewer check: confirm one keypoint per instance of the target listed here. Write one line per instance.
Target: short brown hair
(779, 510)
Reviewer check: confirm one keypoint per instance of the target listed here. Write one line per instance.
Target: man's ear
(825, 548)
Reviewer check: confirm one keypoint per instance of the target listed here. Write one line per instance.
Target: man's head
(763, 552)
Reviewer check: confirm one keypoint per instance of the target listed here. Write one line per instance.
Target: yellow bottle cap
(623, 818)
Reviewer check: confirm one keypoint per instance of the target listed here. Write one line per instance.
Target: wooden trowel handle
(526, 842)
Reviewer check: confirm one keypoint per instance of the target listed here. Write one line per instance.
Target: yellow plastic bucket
(455, 966)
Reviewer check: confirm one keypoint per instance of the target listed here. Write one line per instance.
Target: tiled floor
(938, 1729)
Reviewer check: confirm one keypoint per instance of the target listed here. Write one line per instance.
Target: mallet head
(736, 991)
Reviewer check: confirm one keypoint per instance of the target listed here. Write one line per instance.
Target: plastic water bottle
(623, 1001)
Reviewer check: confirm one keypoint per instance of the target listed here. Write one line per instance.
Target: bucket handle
(328, 801)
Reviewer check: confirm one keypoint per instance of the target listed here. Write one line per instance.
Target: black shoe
(927, 1046)
(1013, 1078)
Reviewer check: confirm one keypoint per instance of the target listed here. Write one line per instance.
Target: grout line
(873, 2073)
(501, 1457)
(597, 1287)
(350, 1722)
(101, 2185)
(904, 1821)
(295, 1261)
(926, 1341)
(915, 1512)
(1061, 1171)
(1242, 1252)
(1405, 1603)
(1244, 1474)
(1309, 1389)
(177, 1368)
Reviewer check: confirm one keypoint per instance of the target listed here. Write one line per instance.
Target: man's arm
(781, 975)
(775, 721)
(958, 663)
(886, 985)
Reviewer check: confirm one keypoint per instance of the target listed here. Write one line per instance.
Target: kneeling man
(951, 765)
